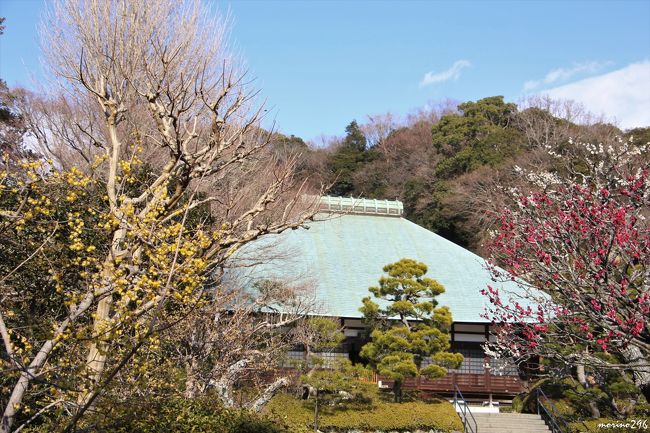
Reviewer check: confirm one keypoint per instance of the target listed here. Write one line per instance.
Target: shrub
(169, 414)
(369, 414)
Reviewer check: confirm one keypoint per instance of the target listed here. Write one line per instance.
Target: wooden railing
(469, 383)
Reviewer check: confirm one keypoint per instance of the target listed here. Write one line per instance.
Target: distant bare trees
(546, 121)
(378, 128)
(12, 120)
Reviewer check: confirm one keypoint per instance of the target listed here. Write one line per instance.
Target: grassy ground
(370, 410)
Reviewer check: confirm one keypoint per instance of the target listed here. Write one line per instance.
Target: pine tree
(348, 160)
(354, 139)
(410, 336)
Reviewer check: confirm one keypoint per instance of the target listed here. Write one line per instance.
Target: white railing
(361, 206)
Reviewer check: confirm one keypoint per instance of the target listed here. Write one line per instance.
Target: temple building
(342, 253)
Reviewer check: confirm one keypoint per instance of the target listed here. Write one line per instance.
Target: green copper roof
(343, 255)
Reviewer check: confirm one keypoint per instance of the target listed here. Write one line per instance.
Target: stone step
(510, 423)
(518, 429)
(503, 415)
(508, 420)
(522, 429)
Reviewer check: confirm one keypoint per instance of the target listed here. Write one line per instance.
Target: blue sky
(322, 64)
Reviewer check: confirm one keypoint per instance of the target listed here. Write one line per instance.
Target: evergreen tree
(354, 140)
(480, 136)
(334, 384)
(410, 336)
(348, 159)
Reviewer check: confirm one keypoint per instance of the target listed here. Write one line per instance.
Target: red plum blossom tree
(577, 242)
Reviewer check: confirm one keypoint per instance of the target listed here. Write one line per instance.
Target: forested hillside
(453, 164)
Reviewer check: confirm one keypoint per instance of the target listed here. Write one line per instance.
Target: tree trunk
(224, 391)
(97, 352)
(98, 349)
(640, 371)
(582, 378)
(397, 391)
(268, 394)
(191, 386)
(316, 412)
(307, 391)
(14, 402)
(224, 385)
(595, 412)
(18, 393)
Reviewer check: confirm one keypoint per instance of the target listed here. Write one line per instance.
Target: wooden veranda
(468, 383)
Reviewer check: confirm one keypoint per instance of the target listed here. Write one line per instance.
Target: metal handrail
(467, 427)
(550, 414)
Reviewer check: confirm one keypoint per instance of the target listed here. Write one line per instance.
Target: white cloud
(452, 73)
(560, 75)
(623, 95)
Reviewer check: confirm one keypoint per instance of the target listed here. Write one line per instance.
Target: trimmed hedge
(373, 415)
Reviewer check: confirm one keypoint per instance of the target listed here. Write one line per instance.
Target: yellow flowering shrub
(58, 233)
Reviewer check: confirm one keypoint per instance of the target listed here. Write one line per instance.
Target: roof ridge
(367, 206)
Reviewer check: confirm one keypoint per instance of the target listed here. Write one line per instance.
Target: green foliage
(288, 144)
(366, 412)
(490, 110)
(493, 149)
(410, 328)
(334, 384)
(326, 333)
(428, 164)
(573, 399)
(354, 139)
(168, 414)
(424, 204)
(479, 120)
(348, 159)
(483, 135)
(451, 133)
(478, 137)
(339, 377)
